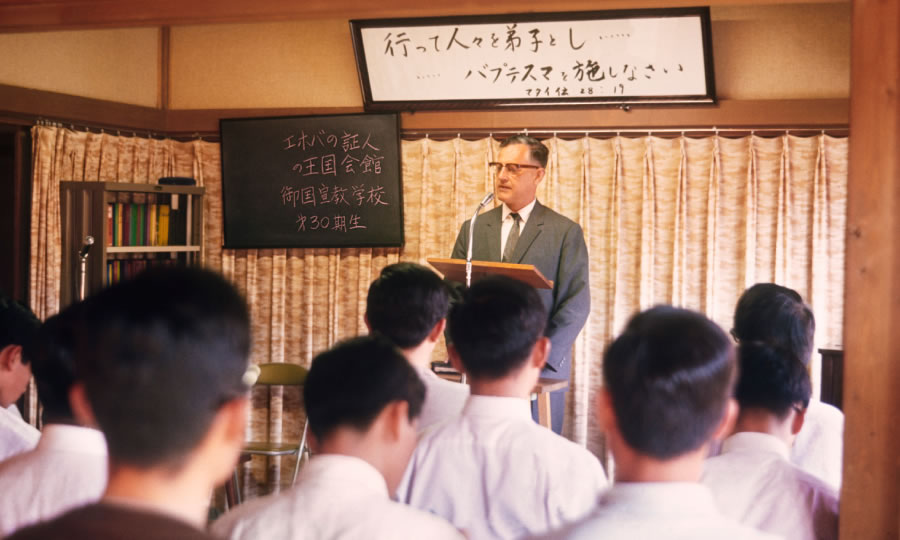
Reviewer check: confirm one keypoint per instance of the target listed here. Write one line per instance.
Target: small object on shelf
(176, 181)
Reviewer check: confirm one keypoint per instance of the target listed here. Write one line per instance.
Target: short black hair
(162, 354)
(539, 151)
(52, 356)
(351, 383)
(496, 325)
(18, 325)
(776, 315)
(771, 379)
(670, 375)
(405, 303)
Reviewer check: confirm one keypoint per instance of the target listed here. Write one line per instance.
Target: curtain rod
(119, 131)
(443, 132)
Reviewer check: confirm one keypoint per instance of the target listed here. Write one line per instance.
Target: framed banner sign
(537, 59)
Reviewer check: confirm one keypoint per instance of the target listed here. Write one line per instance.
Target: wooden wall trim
(29, 105)
(34, 15)
(870, 497)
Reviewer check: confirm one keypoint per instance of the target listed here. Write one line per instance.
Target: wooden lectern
(455, 270)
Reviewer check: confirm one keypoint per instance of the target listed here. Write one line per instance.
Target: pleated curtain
(684, 221)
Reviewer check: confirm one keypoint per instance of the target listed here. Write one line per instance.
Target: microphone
(86, 247)
(487, 198)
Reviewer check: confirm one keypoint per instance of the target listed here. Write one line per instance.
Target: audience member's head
(362, 398)
(497, 327)
(52, 356)
(407, 303)
(772, 380)
(669, 378)
(18, 327)
(162, 363)
(773, 314)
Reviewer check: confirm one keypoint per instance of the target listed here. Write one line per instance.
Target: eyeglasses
(514, 169)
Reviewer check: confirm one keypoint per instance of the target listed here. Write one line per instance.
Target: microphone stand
(487, 199)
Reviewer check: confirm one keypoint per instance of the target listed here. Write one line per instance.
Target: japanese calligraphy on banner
(312, 181)
(610, 57)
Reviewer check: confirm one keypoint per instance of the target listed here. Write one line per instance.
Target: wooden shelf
(152, 249)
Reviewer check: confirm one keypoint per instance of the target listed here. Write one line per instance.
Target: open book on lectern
(455, 270)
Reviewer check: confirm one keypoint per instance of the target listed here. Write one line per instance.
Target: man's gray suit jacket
(555, 245)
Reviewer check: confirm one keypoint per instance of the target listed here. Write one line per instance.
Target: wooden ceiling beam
(44, 15)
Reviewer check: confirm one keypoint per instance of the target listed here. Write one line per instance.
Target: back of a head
(670, 375)
(405, 303)
(771, 379)
(18, 325)
(162, 354)
(52, 356)
(496, 325)
(539, 151)
(773, 314)
(351, 383)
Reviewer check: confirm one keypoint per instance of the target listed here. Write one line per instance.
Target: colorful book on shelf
(110, 224)
(119, 211)
(163, 225)
(134, 220)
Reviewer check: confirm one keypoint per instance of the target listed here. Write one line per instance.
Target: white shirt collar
(68, 438)
(667, 498)
(755, 442)
(523, 212)
(339, 469)
(497, 407)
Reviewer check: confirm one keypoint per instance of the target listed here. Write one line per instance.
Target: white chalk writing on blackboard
(333, 222)
(366, 161)
(355, 195)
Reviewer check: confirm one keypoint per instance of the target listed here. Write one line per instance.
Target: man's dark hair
(18, 325)
(405, 303)
(496, 325)
(539, 151)
(52, 356)
(775, 315)
(162, 353)
(670, 375)
(351, 383)
(771, 379)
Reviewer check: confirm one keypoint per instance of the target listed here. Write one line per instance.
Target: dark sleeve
(573, 295)
(462, 242)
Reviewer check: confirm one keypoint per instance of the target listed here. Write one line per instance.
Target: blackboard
(312, 181)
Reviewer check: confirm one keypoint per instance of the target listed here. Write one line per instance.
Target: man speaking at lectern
(523, 231)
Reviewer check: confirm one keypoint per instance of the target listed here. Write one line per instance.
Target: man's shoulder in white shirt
(519, 477)
(443, 399)
(754, 483)
(66, 469)
(335, 497)
(648, 511)
(818, 448)
(16, 435)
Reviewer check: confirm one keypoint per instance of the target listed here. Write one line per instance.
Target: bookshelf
(134, 226)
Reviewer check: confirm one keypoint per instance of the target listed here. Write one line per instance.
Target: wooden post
(870, 500)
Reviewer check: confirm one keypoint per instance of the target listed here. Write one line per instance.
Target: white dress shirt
(335, 496)
(67, 469)
(652, 511)
(506, 222)
(494, 473)
(753, 482)
(443, 399)
(16, 435)
(818, 448)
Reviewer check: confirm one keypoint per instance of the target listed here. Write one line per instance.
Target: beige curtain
(685, 221)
